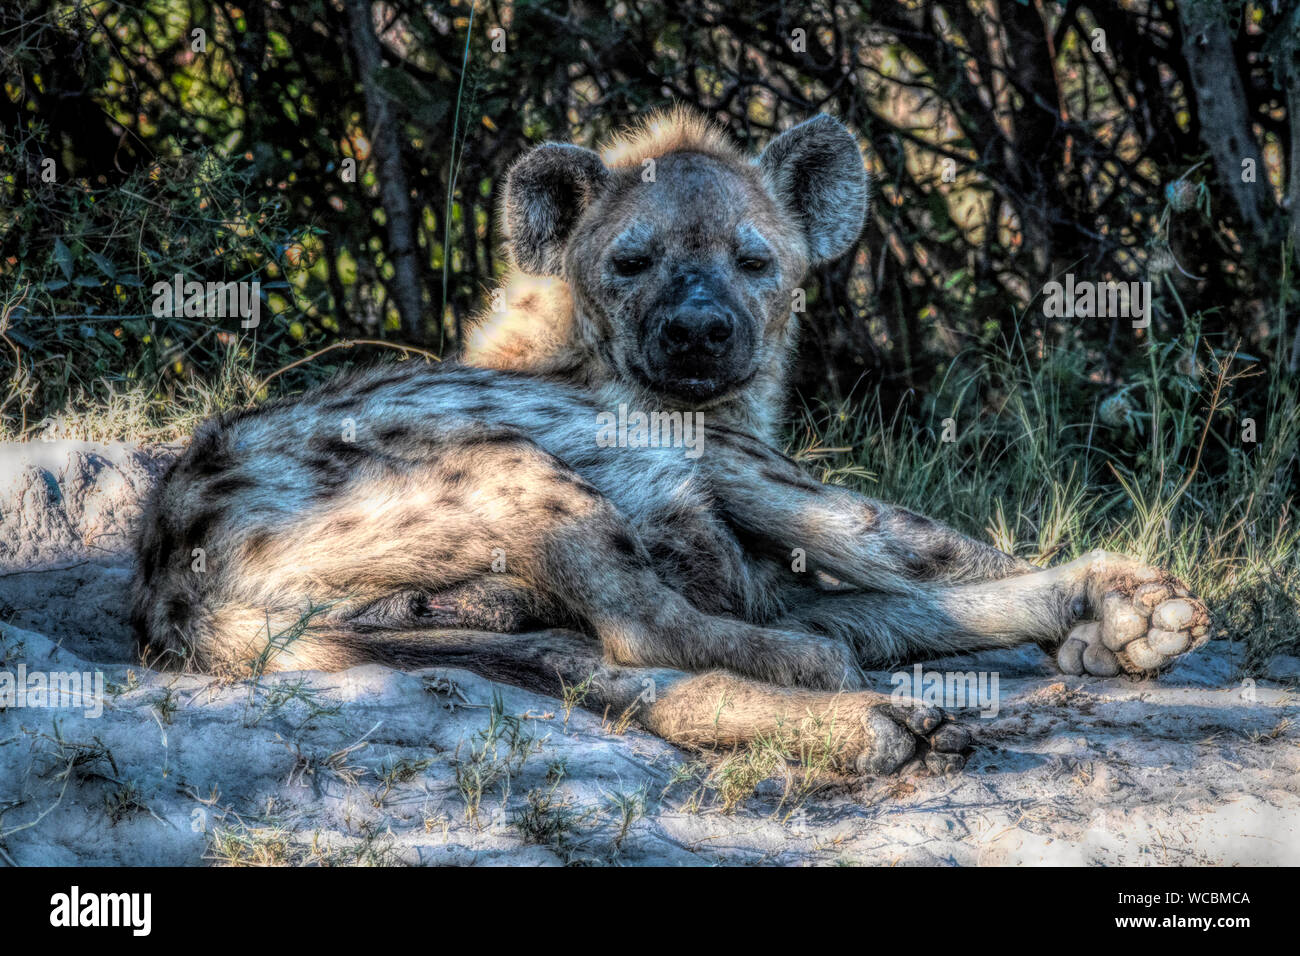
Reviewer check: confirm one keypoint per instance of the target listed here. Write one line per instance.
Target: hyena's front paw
(1146, 618)
(896, 732)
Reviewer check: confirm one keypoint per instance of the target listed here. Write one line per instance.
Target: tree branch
(394, 192)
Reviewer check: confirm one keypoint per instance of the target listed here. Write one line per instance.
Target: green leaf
(104, 265)
(108, 340)
(63, 256)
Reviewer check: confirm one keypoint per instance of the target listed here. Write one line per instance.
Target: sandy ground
(373, 765)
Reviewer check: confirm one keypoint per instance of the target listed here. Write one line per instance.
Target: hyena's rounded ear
(546, 191)
(815, 170)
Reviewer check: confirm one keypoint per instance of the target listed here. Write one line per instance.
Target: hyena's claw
(897, 733)
(918, 718)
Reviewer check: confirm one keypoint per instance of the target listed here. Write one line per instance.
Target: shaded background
(1063, 144)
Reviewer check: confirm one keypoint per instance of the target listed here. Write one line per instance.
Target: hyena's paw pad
(896, 733)
(1141, 629)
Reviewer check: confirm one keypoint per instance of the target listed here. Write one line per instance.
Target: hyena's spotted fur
(468, 515)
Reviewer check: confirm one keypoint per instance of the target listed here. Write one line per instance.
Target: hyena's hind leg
(855, 732)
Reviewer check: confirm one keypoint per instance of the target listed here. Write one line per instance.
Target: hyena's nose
(697, 331)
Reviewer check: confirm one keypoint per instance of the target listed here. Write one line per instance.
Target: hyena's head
(682, 255)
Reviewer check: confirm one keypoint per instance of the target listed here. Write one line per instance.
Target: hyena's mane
(670, 131)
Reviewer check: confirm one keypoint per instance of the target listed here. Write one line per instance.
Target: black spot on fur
(496, 438)
(624, 544)
(912, 564)
(334, 446)
(945, 553)
(910, 520)
(149, 560)
(208, 454)
(746, 445)
(197, 531)
(164, 551)
(257, 545)
(208, 464)
(178, 612)
(329, 472)
(229, 485)
(205, 443)
(789, 480)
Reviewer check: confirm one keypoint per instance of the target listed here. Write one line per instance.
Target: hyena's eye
(631, 265)
(754, 263)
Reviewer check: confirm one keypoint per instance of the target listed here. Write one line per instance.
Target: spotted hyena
(487, 514)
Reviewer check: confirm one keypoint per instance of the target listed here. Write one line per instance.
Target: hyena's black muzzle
(698, 341)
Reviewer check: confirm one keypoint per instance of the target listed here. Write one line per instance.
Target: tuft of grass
(75, 760)
(804, 754)
(627, 808)
(551, 821)
(574, 695)
(337, 764)
(166, 705)
(249, 846)
(123, 801)
(803, 764)
(493, 756)
(399, 771)
(260, 659)
(274, 699)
